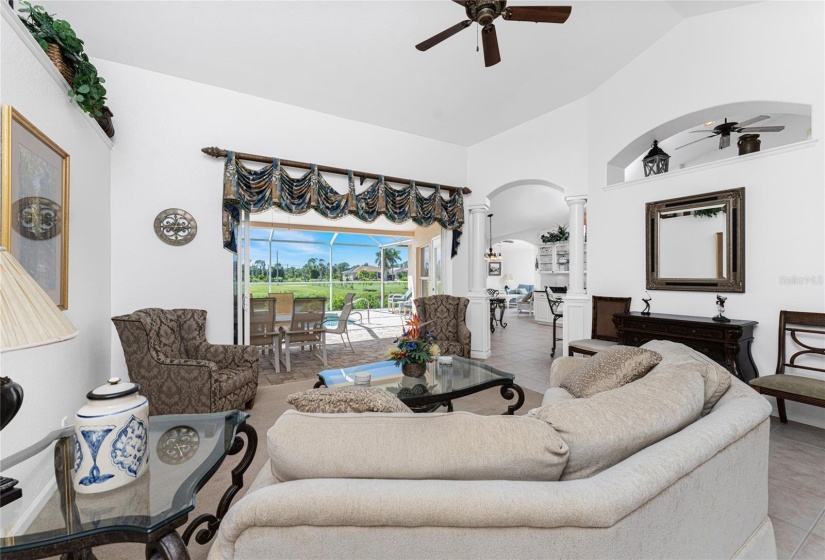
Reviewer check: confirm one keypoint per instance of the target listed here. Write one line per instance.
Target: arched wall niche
(796, 118)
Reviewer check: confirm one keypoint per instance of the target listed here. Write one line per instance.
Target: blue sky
(296, 247)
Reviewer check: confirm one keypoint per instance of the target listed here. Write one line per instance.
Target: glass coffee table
(438, 387)
(184, 452)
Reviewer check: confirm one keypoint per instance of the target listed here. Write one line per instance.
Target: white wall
(56, 378)
(682, 73)
(518, 259)
(784, 192)
(163, 122)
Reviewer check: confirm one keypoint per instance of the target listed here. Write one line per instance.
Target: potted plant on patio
(414, 349)
(65, 50)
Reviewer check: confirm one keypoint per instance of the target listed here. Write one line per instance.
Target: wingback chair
(449, 322)
(178, 370)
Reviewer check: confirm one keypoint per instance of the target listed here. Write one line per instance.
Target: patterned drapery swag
(259, 190)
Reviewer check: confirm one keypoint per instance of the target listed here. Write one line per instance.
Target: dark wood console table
(728, 344)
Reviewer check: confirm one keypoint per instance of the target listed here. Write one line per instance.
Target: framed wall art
(34, 204)
(493, 268)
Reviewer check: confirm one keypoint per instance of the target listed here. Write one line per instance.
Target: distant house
(354, 273)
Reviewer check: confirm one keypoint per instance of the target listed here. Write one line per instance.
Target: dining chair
(306, 329)
(603, 331)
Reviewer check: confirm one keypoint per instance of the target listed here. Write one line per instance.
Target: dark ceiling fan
(484, 12)
(723, 130)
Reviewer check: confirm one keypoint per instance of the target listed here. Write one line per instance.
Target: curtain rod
(221, 153)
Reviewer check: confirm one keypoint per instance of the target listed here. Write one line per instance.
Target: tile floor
(796, 477)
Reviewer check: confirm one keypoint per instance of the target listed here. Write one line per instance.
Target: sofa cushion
(609, 369)
(347, 399)
(678, 357)
(609, 427)
(555, 394)
(448, 446)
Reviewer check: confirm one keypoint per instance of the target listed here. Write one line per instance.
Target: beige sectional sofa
(702, 492)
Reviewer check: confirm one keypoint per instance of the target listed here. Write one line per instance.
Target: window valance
(259, 190)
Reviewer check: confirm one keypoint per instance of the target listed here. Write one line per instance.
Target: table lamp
(28, 318)
(506, 280)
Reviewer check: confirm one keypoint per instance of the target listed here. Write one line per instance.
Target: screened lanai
(326, 263)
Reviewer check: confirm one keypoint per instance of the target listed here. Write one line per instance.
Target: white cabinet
(554, 258)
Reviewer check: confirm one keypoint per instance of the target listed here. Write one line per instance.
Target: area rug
(269, 405)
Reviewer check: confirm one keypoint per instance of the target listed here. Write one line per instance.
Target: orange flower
(415, 325)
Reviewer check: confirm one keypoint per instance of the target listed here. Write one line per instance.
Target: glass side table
(184, 452)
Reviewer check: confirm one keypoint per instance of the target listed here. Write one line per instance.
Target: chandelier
(491, 255)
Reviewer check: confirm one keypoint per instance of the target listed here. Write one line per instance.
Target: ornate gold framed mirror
(697, 243)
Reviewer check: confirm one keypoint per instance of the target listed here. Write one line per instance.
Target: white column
(577, 302)
(478, 312)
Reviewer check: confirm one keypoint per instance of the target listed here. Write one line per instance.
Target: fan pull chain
(477, 33)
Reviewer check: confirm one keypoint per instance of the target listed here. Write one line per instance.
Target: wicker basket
(53, 52)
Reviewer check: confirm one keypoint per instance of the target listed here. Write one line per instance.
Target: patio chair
(603, 332)
(396, 301)
(341, 327)
(262, 321)
(306, 329)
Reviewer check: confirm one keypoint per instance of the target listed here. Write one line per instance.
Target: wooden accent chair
(797, 388)
(178, 370)
(306, 329)
(603, 332)
(449, 322)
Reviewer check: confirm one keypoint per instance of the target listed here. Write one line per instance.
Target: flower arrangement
(415, 345)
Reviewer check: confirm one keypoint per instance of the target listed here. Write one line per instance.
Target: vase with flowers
(414, 349)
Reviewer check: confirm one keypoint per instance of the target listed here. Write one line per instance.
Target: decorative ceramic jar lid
(113, 389)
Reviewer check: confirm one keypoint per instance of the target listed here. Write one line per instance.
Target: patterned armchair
(178, 370)
(449, 324)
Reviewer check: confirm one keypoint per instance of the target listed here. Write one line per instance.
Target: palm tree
(392, 258)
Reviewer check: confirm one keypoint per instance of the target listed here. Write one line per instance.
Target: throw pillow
(347, 399)
(607, 428)
(677, 356)
(437, 446)
(609, 369)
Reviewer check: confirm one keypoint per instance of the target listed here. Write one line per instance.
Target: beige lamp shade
(28, 316)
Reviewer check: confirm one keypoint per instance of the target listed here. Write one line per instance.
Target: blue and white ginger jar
(112, 433)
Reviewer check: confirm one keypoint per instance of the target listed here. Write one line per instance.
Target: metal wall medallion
(175, 226)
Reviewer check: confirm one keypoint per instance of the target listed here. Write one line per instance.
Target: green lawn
(368, 290)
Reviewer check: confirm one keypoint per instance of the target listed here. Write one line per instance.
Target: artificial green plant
(86, 87)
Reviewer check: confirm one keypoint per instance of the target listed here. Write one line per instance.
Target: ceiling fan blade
(538, 14)
(699, 140)
(462, 2)
(761, 129)
(490, 42)
(708, 130)
(446, 34)
(753, 120)
(724, 141)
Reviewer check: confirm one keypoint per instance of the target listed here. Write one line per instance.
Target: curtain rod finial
(214, 151)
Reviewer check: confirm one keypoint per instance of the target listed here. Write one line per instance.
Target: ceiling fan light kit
(485, 12)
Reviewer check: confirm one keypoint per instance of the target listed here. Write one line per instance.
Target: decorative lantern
(656, 160)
